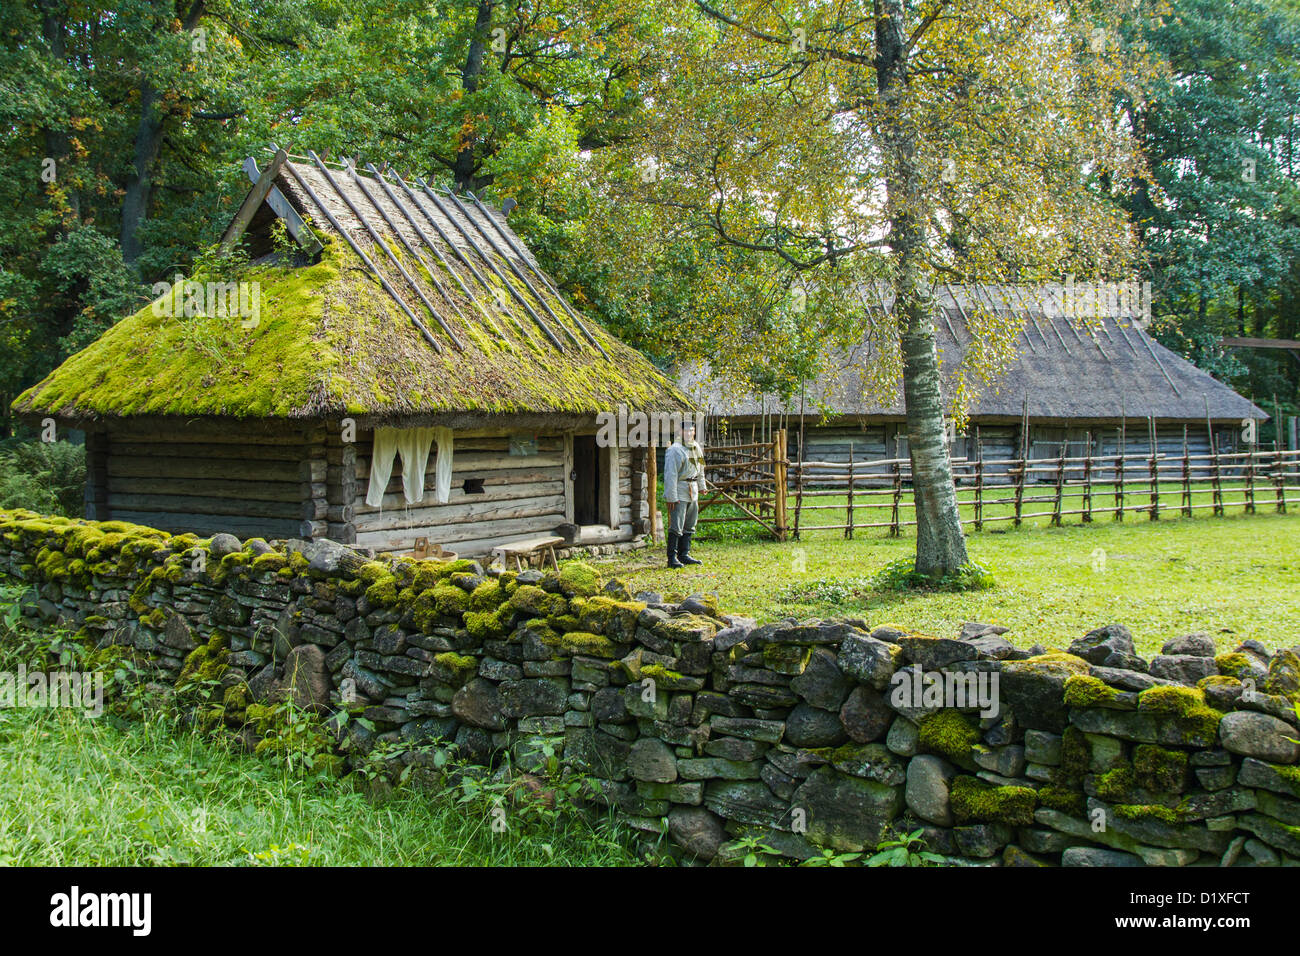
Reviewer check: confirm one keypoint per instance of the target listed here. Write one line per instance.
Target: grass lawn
(1232, 577)
(86, 792)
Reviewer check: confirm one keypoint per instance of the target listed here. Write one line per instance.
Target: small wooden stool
(526, 549)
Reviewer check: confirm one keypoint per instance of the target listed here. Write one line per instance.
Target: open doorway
(588, 480)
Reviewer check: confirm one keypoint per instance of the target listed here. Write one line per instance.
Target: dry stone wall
(813, 734)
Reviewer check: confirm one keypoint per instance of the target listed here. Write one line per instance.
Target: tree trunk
(940, 544)
(148, 146)
(478, 41)
(57, 146)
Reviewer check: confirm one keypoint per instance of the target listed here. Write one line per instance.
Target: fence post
(848, 525)
(1279, 478)
(1020, 487)
(1087, 483)
(1187, 477)
(1119, 479)
(979, 491)
(1154, 470)
(898, 494)
(798, 491)
(1250, 482)
(1060, 483)
(1216, 479)
(779, 446)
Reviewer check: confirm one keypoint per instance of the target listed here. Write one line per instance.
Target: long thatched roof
(403, 301)
(1065, 368)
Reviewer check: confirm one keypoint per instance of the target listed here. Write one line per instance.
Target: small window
(473, 486)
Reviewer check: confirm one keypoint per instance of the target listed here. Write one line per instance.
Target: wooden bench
(519, 550)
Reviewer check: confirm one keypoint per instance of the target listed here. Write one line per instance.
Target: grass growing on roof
(330, 340)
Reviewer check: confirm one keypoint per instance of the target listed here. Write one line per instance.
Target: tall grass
(141, 785)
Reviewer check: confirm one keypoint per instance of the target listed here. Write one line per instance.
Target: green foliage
(901, 575)
(47, 477)
(1217, 207)
(907, 849)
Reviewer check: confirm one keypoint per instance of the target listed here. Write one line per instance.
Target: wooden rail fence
(877, 494)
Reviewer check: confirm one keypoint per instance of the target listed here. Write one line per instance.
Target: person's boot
(673, 561)
(684, 550)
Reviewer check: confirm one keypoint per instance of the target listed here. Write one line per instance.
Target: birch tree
(814, 147)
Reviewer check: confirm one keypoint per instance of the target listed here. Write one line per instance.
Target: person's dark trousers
(674, 545)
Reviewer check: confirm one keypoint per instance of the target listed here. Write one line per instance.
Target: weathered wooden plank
(403, 539)
(263, 185)
(128, 466)
(443, 516)
(191, 504)
(214, 524)
(396, 500)
(469, 464)
(224, 452)
(252, 432)
(215, 488)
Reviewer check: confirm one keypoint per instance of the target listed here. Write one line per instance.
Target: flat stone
(1097, 645)
(1194, 645)
(1096, 856)
(1259, 735)
(768, 731)
(811, 727)
(697, 831)
(478, 704)
(716, 768)
(904, 737)
(747, 801)
(926, 793)
(869, 660)
(870, 762)
(865, 715)
(935, 653)
(1043, 748)
(822, 684)
(1182, 668)
(847, 813)
(1257, 773)
(652, 760)
(1276, 835)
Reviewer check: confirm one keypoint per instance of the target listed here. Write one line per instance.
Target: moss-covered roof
(330, 340)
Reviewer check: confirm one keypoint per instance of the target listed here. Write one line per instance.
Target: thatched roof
(1100, 367)
(446, 313)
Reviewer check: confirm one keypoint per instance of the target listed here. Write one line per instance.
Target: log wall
(245, 479)
(523, 496)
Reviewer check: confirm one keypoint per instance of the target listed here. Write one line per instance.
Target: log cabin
(375, 314)
(1074, 384)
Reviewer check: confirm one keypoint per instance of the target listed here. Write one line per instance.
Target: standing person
(683, 482)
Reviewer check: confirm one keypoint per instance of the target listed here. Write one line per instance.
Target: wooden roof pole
(541, 324)
(253, 201)
(510, 262)
(396, 201)
(408, 246)
(543, 277)
(338, 227)
(418, 257)
(378, 240)
(1024, 305)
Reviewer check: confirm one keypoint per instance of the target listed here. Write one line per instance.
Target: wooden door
(586, 480)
